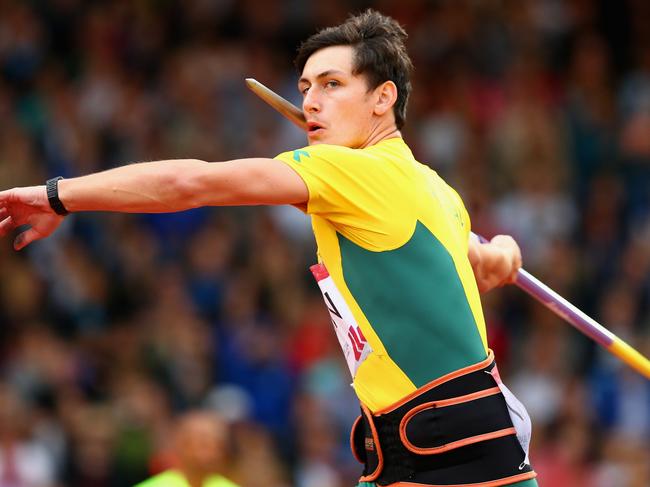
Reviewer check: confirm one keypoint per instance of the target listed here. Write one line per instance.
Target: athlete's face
(337, 104)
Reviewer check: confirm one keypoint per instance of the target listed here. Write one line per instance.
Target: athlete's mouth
(313, 127)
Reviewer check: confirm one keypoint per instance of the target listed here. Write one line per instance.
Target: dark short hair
(379, 53)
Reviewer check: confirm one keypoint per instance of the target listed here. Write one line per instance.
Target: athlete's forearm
(149, 187)
(181, 184)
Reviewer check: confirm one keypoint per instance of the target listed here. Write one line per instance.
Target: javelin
(525, 281)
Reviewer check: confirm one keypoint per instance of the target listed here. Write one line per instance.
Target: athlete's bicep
(255, 181)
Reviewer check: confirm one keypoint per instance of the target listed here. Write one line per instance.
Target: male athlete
(398, 271)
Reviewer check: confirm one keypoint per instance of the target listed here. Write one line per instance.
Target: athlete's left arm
(495, 263)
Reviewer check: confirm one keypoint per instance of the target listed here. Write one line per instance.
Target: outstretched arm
(495, 263)
(153, 187)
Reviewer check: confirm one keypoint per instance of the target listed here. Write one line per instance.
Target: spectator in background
(200, 441)
(24, 461)
(634, 111)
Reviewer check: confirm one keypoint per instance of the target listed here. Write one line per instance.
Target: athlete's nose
(310, 103)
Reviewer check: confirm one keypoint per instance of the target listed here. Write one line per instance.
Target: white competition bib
(354, 345)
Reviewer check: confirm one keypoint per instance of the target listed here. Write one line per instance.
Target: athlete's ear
(386, 94)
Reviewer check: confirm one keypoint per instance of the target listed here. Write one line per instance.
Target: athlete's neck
(376, 136)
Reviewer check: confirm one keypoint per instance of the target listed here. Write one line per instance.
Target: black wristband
(52, 187)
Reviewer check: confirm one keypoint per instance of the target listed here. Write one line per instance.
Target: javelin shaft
(525, 281)
(583, 322)
(286, 108)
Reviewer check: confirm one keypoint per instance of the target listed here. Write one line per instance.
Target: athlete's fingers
(4, 213)
(25, 238)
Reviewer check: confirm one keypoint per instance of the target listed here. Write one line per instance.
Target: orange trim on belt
(375, 438)
(441, 404)
(459, 443)
(466, 398)
(454, 444)
(440, 380)
(492, 483)
(352, 447)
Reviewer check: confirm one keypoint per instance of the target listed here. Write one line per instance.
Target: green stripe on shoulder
(414, 300)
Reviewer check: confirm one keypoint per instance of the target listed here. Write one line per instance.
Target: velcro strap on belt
(440, 426)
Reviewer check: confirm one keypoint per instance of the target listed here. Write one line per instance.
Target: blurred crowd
(536, 111)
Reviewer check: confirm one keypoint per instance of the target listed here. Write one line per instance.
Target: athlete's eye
(304, 90)
(332, 84)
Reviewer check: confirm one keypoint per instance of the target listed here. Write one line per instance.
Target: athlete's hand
(27, 206)
(495, 263)
(512, 256)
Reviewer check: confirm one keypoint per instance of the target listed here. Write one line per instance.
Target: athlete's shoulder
(386, 148)
(320, 151)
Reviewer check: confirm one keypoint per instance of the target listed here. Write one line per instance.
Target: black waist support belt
(454, 431)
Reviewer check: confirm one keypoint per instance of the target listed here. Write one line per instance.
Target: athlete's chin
(316, 137)
(323, 139)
